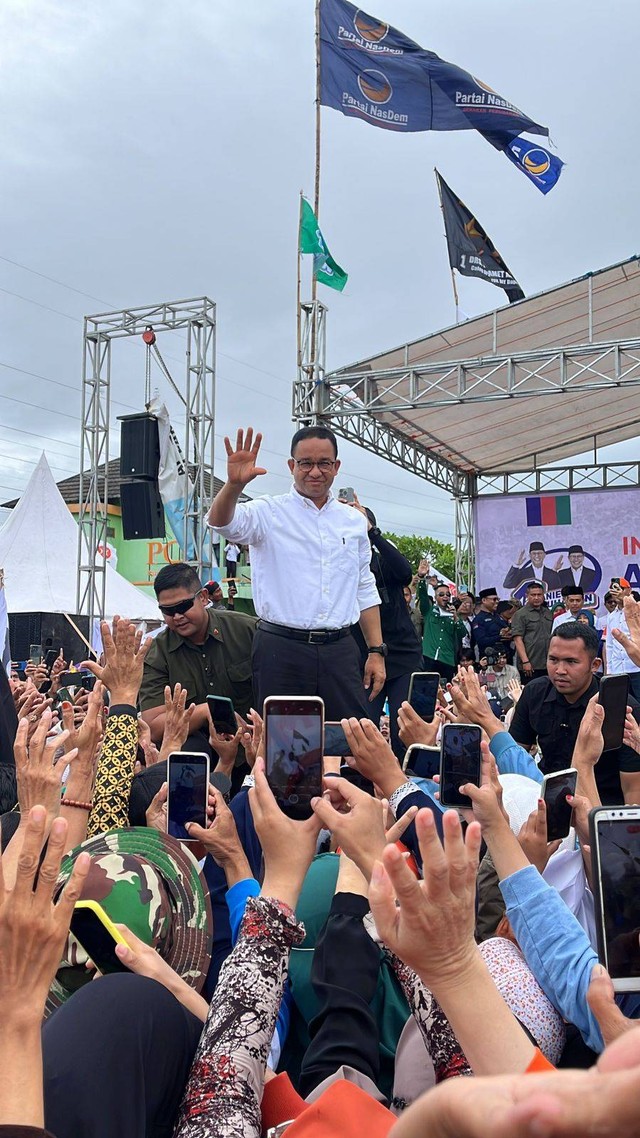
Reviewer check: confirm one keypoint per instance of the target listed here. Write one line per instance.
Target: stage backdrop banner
(604, 525)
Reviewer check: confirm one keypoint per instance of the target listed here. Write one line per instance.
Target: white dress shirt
(618, 660)
(310, 567)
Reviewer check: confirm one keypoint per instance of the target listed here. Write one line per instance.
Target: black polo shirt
(544, 714)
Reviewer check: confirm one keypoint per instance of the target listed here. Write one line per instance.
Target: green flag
(325, 268)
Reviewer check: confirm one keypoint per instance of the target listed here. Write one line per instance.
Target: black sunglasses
(179, 608)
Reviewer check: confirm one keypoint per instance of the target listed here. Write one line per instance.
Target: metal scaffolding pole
(465, 543)
(198, 318)
(309, 393)
(94, 455)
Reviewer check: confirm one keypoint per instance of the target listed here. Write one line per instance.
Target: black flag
(471, 252)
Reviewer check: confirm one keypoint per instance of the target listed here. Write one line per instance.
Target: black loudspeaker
(142, 510)
(139, 447)
(50, 630)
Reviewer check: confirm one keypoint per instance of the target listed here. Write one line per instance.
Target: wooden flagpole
(316, 191)
(453, 279)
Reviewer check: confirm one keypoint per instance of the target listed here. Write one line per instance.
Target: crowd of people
(383, 965)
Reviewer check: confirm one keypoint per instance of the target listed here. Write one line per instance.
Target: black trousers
(291, 667)
(232, 567)
(396, 691)
(116, 1060)
(447, 671)
(344, 973)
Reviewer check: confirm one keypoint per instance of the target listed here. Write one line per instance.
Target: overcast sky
(155, 151)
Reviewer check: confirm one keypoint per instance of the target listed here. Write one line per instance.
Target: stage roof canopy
(529, 384)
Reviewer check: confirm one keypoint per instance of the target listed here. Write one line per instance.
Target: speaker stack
(140, 501)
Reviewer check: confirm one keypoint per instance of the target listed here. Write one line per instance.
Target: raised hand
(251, 735)
(515, 689)
(372, 755)
(124, 655)
(424, 568)
(177, 720)
(558, 564)
(241, 462)
(288, 846)
(39, 780)
(413, 729)
(630, 643)
(533, 838)
(520, 558)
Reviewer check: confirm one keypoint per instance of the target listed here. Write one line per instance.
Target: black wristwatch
(380, 649)
(375, 532)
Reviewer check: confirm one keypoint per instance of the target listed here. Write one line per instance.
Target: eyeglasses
(306, 465)
(179, 607)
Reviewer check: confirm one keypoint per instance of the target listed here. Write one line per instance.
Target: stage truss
(373, 408)
(198, 319)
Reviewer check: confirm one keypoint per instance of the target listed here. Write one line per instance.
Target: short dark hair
(608, 596)
(314, 433)
(503, 606)
(572, 591)
(178, 576)
(574, 630)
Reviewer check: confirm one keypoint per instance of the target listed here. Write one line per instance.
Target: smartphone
(64, 695)
(555, 788)
(423, 693)
(615, 851)
(335, 740)
(51, 657)
(459, 762)
(614, 694)
(352, 775)
(96, 933)
(35, 653)
(222, 714)
(294, 746)
(187, 792)
(347, 494)
(421, 761)
(71, 680)
(506, 703)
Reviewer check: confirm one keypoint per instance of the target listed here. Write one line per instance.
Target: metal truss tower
(198, 318)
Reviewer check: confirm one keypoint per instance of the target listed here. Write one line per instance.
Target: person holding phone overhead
(303, 643)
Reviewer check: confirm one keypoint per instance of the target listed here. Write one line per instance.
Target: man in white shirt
(573, 599)
(231, 555)
(618, 660)
(311, 576)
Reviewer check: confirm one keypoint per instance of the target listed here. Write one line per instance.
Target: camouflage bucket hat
(153, 884)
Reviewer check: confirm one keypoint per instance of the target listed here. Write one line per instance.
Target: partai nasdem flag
(471, 251)
(371, 71)
(325, 269)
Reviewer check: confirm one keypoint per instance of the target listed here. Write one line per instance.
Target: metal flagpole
(453, 279)
(298, 293)
(316, 191)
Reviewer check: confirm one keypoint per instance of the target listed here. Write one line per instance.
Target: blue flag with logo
(371, 71)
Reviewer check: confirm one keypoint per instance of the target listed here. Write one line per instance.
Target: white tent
(39, 555)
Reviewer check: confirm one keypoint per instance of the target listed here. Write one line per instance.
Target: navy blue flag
(471, 250)
(538, 163)
(372, 71)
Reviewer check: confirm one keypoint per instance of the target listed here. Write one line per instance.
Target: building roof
(517, 401)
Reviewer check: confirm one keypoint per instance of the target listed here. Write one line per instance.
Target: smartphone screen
(459, 762)
(335, 740)
(423, 693)
(35, 653)
(293, 752)
(222, 716)
(422, 761)
(51, 657)
(188, 792)
(96, 940)
(617, 842)
(556, 788)
(613, 696)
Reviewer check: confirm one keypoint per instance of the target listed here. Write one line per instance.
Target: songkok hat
(488, 593)
(151, 883)
(536, 545)
(576, 549)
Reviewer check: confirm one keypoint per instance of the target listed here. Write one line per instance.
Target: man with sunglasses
(207, 650)
(311, 577)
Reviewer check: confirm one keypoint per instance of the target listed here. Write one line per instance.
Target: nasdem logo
(371, 30)
(375, 86)
(536, 162)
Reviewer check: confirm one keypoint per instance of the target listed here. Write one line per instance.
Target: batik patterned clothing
(115, 772)
(446, 1054)
(223, 1095)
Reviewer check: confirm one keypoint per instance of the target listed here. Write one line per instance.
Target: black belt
(309, 636)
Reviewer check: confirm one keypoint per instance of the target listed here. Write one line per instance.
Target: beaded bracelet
(88, 806)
